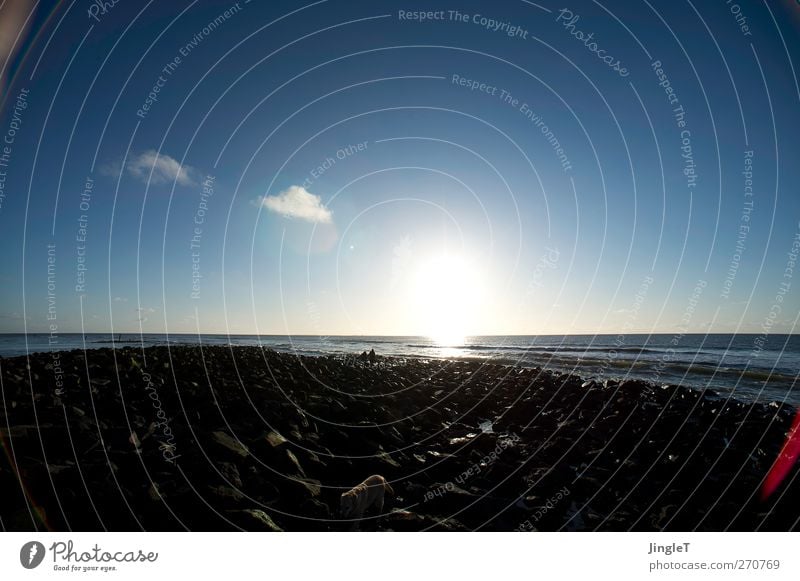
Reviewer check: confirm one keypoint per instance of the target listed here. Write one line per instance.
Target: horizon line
(321, 335)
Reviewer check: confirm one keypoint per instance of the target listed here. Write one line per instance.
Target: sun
(447, 297)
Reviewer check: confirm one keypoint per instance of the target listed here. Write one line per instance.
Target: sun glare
(447, 298)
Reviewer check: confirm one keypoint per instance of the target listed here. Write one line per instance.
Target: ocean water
(748, 366)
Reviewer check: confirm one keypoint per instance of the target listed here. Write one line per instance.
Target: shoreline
(237, 437)
(718, 362)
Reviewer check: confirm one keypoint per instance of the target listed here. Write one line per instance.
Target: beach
(246, 438)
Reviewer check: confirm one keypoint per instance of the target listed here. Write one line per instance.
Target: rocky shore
(246, 438)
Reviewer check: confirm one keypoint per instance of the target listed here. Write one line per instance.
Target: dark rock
(254, 519)
(315, 509)
(311, 487)
(295, 462)
(230, 444)
(303, 430)
(226, 494)
(275, 439)
(231, 473)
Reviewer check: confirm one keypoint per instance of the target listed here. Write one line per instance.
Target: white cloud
(297, 202)
(164, 169)
(15, 316)
(143, 312)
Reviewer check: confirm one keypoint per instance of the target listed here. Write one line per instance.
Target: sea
(748, 367)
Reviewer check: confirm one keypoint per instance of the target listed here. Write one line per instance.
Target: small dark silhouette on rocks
(372, 356)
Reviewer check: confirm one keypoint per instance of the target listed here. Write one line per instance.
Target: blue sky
(352, 170)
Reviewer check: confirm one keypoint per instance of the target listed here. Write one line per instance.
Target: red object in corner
(785, 460)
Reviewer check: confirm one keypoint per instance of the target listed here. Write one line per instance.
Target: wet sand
(246, 438)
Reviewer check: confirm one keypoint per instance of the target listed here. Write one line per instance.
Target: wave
(757, 375)
(652, 368)
(555, 349)
(656, 369)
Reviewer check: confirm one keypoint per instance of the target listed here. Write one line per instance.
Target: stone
(231, 473)
(293, 459)
(275, 439)
(255, 519)
(230, 444)
(314, 487)
(226, 493)
(384, 457)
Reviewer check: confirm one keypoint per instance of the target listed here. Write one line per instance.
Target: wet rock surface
(245, 438)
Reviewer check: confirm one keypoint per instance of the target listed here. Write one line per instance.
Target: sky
(401, 168)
